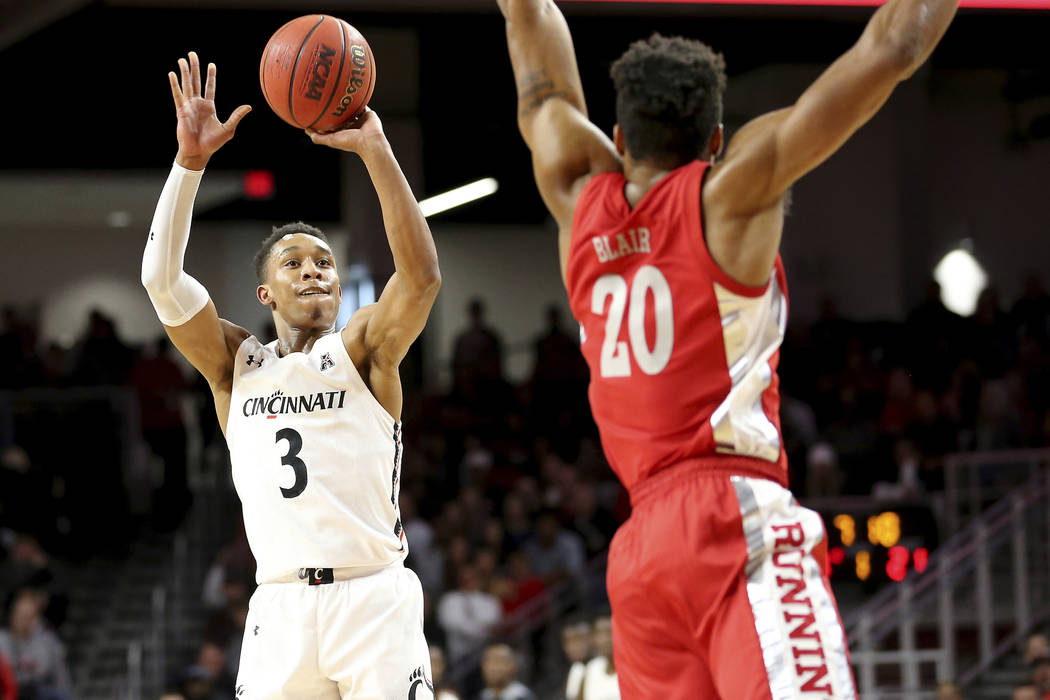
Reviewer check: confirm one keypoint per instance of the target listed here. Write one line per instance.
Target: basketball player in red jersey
(670, 261)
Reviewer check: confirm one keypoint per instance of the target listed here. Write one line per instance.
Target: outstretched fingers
(209, 85)
(195, 74)
(176, 93)
(235, 118)
(184, 71)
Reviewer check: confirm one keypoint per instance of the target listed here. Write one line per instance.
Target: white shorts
(360, 638)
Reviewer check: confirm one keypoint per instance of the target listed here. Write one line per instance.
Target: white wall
(515, 270)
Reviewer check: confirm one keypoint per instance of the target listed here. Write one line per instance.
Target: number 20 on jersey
(633, 299)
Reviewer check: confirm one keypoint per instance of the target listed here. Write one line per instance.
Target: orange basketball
(317, 72)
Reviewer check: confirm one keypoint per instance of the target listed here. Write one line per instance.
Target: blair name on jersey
(278, 404)
(636, 240)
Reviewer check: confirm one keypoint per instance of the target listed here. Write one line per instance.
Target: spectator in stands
(595, 525)
(576, 640)
(1031, 313)
(172, 694)
(556, 554)
(26, 500)
(1036, 646)
(197, 684)
(467, 614)
(208, 677)
(424, 554)
(516, 525)
(102, 358)
(8, 684)
(478, 350)
(161, 387)
(599, 681)
(518, 585)
(498, 668)
(437, 669)
(823, 476)
(948, 691)
(1041, 674)
(37, 656)
(19, 365)
(1025, 692)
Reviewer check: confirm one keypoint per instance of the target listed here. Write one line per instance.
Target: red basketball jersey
(683, 358)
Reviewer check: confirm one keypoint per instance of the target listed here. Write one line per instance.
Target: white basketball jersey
(316, 461)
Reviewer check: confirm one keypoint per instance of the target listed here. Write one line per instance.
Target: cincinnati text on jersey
(278, 404)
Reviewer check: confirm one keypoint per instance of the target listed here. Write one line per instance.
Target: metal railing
(975, 480)
(991, 579)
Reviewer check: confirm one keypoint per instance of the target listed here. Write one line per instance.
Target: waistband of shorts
(724, 465)
(306, 575)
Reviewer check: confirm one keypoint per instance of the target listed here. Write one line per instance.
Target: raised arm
(552, 115)
(378, 337)
(743, 195)
(181, 302)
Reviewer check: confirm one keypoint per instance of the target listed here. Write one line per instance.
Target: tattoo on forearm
(535, 89)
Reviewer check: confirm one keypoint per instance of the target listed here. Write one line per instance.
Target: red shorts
(718, 590)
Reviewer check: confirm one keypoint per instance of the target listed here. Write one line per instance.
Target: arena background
(878, 377)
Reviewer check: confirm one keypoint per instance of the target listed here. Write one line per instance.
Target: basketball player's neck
(641, 176)
(291, 338)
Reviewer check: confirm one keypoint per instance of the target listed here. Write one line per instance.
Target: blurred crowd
(507, 501)
(873, 407)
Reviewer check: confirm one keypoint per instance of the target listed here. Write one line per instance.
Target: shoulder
(233, 334)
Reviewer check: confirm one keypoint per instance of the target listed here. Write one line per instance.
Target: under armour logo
(256, 632)
(240, 688)
(151, 235)
(326, 361)
(253, 361)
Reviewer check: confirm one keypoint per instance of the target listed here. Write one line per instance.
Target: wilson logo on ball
(356, 81)
(317, 72)
(321, 71)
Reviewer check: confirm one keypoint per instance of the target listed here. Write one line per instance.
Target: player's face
(303, 282)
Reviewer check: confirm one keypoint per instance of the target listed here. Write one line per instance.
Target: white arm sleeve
(176, 296)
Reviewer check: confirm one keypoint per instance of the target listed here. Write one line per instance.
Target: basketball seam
(372, 76)
(266, 56)
(295, 67)
(339, 73)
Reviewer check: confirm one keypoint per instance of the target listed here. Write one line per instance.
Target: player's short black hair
(262, 256)
(668, 97)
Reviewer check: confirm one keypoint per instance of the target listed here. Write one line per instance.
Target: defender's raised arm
(181, 302)
(552, 114)
(772, 152)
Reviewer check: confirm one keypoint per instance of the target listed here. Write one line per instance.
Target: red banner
(985, 4)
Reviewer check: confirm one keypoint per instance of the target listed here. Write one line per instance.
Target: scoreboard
(879, 544)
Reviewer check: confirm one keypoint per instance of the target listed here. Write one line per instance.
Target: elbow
(430, 282)
(424, 284)
(150, 282)
(525, 12)
(900, 52)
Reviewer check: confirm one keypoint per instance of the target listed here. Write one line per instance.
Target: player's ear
(717, 142)
(262, 292)
(618, 141)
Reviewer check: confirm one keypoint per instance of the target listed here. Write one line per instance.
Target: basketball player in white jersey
(312, 423)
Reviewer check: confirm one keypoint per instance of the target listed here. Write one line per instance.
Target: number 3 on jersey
(291, 459)
(615, 361)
